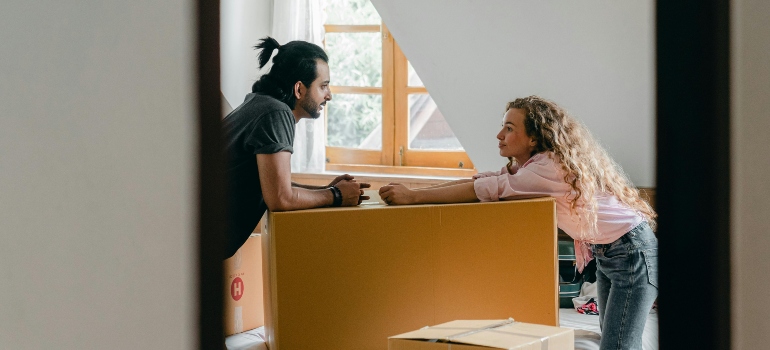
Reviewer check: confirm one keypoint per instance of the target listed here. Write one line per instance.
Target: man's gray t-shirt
(260, 125)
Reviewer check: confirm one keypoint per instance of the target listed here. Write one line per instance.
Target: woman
(551, 153)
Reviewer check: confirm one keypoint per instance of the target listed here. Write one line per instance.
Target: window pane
(427, 128)
(355, 121)
(414, 79)
(350, 12)
(355, 59)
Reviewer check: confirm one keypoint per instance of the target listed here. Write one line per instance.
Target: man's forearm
(303, 198)
(308, 187)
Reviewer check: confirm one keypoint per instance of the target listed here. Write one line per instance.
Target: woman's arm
(445, 184)
(397, 194)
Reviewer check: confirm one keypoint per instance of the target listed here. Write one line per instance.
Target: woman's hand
(397, 194)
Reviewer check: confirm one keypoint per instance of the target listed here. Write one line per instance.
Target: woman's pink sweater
(541, 175)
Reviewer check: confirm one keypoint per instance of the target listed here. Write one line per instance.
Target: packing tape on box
(543, 340)
(449, 339)
(467, 333)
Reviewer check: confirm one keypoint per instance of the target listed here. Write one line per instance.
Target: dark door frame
(693, 173)
(211, 178)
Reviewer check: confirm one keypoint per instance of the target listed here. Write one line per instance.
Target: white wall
(596, 58)
(750, 58)
(97, 175)
(243, 23)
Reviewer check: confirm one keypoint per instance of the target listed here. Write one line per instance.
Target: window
(381, 118)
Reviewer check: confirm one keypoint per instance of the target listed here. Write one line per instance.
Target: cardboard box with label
(243, 309)
(348, 278)
(485, 334)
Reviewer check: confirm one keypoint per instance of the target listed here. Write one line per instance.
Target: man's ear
(532, 142)
(299, 90)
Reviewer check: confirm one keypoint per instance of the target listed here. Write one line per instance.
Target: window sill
(401, 171)
(378, 176)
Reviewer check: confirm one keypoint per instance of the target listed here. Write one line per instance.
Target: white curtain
(303, 20)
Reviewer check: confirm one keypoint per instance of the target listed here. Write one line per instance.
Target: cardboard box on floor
(243, 309)
(485, 334)
(348, 278)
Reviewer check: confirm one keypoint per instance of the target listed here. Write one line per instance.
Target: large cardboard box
(485, 334)
(243, 288)
(348, 278)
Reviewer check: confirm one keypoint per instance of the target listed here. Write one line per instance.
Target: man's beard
(313, 109)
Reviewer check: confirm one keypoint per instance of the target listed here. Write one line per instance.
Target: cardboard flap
(501, 334)
(450, 329)
(518, 334)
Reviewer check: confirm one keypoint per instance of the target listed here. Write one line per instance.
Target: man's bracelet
(337, 196)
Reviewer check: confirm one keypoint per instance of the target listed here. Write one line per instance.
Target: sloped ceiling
(595, 58)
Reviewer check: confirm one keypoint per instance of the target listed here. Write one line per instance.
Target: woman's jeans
(627, 284)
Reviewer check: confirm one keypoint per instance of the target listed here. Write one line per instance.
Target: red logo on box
(236, 289)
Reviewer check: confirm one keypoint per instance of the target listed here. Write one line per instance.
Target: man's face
(316, 95)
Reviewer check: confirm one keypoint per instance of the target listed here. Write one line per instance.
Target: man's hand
(348, 177)
(352, 192)
(397, 194)
(340, 178)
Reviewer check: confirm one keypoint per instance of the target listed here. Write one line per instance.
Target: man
(259, 135)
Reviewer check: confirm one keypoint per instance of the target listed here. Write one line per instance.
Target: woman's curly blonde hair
(587, 166)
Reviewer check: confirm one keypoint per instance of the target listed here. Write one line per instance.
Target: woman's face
(513, 139)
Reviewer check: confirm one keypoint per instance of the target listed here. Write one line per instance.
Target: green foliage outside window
(350, 12)
(355, 59)
(351, 120)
